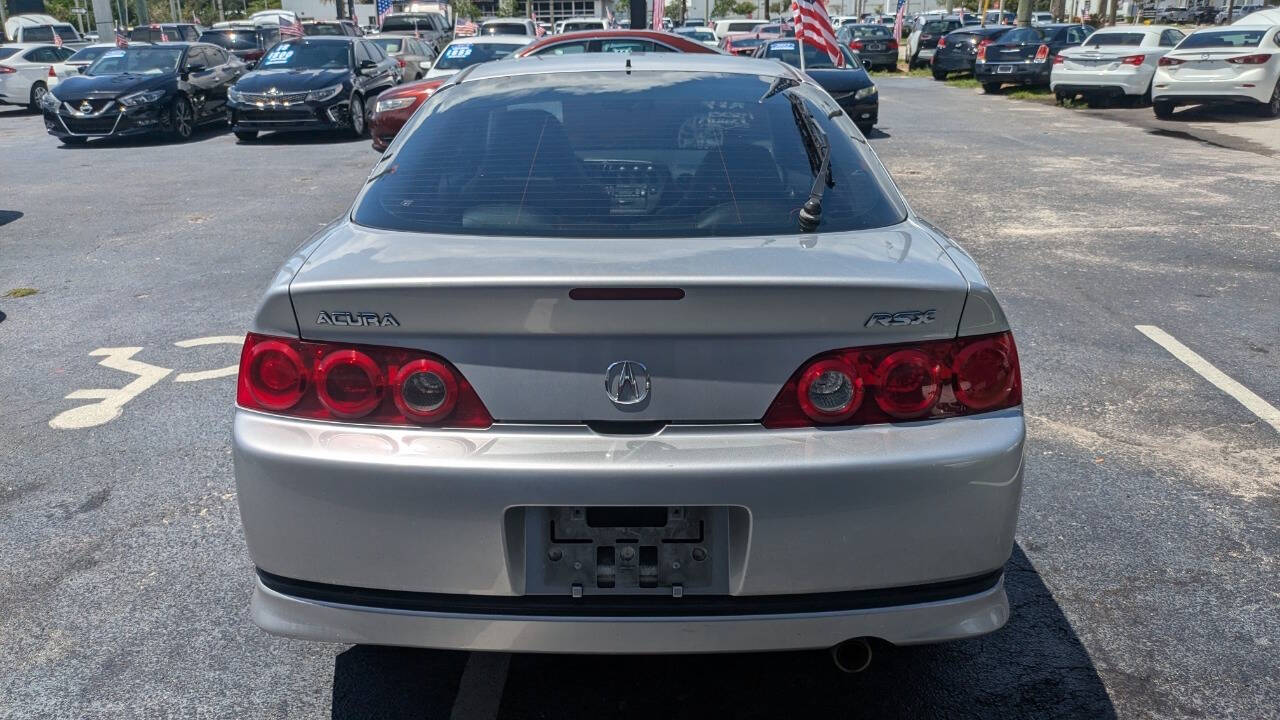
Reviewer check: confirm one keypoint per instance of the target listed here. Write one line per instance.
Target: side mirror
(366, 65)
(81, 68)
(425, 64)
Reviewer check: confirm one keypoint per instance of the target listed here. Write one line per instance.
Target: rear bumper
(952, 63)
(879, 58)
(1234, 90)
(282, 608)
(1018, 73)
(446, 512)
(1126, 83)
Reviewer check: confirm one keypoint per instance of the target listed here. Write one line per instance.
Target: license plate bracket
(1004, 69)
(626, 550)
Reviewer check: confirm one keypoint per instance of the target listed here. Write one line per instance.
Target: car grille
(94, 106)
(291, 98)
(276, 115)
(90, 126)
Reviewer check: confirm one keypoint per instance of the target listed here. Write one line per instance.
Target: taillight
(400, 61)
(982, 50)
(1134, 60)
(889, 383)
(893, 45)
(942, 42)
(372, 384)
(1042, 53)
(855, 45)
(1058, 60)
(5, 70)
(1249, 59)
(1166, 61)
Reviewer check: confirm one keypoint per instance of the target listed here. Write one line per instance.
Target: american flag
(897, 20)
(57, 39)
(538, 31)
(813, 27)
(290, 28)
(122, 40)
(610, 20)
(383, 7)
(659, 12)
(465, 28)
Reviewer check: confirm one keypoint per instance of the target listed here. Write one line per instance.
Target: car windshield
(1222, 38)
(140, 60)
(231, 39)
(323, 29)
(308, 54)
(576, 26)
(541, 155)
(788, 52)
(87, 55)
(699, 35)
(936, 27)
(461, 55)
(869, 31)
(402, 23)
(390, 45)
(1106, 39)
(504, 29)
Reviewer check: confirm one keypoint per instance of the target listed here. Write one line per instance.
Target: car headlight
(392, 104)
(865, 92)
(141, 98)
(49, 102)
(323, 94)
(235, 95)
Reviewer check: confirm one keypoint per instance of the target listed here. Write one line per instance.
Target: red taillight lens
(888, 383)
(942, 42)
(331, 381)
(400, 62)
(1250, 59)
(855, 45)
(893, 44)
(1042, 52)
(982, 50)
(5, 70)
(1058, 60)
(1167, 61)
(1134, 60)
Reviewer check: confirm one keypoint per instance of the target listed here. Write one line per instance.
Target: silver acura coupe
(629, 354)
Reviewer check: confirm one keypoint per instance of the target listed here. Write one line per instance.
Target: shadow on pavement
(1035, 667)
(311, 137)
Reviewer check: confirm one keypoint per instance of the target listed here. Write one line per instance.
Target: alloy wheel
(182, 119)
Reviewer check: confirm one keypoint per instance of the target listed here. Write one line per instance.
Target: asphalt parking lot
(1144, 582)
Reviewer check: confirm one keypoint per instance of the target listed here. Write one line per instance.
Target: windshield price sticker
(113, 54)
(784, 46)
(279, 55)
(458, 51)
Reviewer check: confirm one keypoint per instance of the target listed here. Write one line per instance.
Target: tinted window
(40, 33)
(86, 55)
(67, 33)
(623, 45)
(1223, 38)
(741, 26)
(143, 60)
(461, 55)
(569, 48)
(7, 52)
(402, 23)
(377, 52)
(936, 27)
(217, 56)
(41, 55)
(504, 29)
(509, 156)
(231, 40)
(391, 45)
(584, 25)
(1108, 39)
(1076, 34)
(1021, 36)
(1169, 38)
(189, 33)
(789, 53)
(865, 31)
(308, 54)
(362, 53)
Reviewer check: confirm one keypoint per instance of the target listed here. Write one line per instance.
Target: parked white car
(25, 72)
(704, 35)
(737, 25)
(1236, 64)
(1114, 62)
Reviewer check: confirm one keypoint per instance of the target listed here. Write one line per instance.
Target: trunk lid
(753, 310)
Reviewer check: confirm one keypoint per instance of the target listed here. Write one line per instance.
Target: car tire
(1271, 109)
(866, 128)
(38, 91)
(245, 136)
(74, 140)
(356, 108)
(1163, 110)
(939, 75)
(991, 88)
(182, 119)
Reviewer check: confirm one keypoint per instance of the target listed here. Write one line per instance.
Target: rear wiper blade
(819, 150)
(780, 83)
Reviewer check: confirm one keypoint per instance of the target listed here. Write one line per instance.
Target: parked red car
(393, 108)
(744, 44)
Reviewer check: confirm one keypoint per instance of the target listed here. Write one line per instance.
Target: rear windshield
(406, 22)
(323, 29)
(865, 31)
(940, 26)
(541, 155)
(391, 45)
(1105, 39)
(504, 29)
(1222, 38)
(7, 52)
(231, 40)
(741, 26)
(588, 25)
(461, 55)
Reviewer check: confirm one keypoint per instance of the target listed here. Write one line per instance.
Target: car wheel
(1163, 110)
(73, 140)
(38, 91)
(357, 116)
(939, 75)
(866, 128)
(182, 120)
(1094, 102)
(991, 88)
(1272, 109)
(246, 135)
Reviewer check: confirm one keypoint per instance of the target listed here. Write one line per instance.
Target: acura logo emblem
(627, 382)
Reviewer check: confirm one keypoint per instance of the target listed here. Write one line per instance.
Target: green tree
(622, 7)
(507, 8)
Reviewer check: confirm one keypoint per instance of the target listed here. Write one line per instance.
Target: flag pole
(798, 18)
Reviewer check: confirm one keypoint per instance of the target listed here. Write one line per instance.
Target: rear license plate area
(1004, 69)
(648, 550)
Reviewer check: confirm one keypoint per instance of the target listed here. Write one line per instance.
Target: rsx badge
(898, 319)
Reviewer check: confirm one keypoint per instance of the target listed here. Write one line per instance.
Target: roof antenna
(628, 66)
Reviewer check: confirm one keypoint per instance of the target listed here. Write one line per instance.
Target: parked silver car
(707, 386)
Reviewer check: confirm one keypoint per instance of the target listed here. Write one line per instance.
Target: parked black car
(247, 43)
(164, 32)
(875, 44)
(331, 27)
(850, 86)
(957, 50)
(171, 87)
(312, 83)
(1024, 56)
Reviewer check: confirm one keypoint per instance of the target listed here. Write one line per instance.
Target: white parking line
(480, 689)
(1221, 380)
